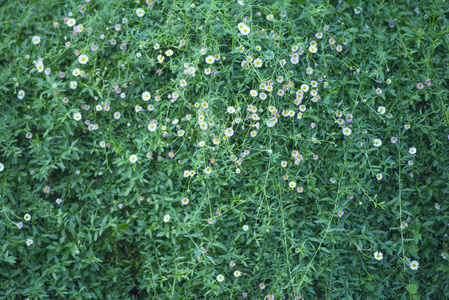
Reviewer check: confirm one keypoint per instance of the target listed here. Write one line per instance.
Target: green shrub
(177, 150)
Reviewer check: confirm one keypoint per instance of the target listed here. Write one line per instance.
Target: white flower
(71, 22)
(40, 66)
(210, 59)
(357, 10)
(414, 265)
(404, 225)
(133, 158)
(83, 59)
(347, 131)
(229, 132)
(207, 170)
(377, 142)
(220, 278)
(254, 93)
(21, 94)
(140, 12)
(378, 255)
(29, 242)
(381, 110)
(245, 30)
(77, 116)
(379, 176)
(292, 184)
(76, 72)
(166, 218)
(412, 150)
(27, 217)
(237, 273)
(152, 127)
(340, 213)
(146, 96)
(36, 39)
(73, 84)
(245, 227)
(59, 200)
(185, 201)
(2, 167)
(313, 49)
(231, 110)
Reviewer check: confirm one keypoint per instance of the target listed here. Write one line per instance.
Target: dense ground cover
(224, 149)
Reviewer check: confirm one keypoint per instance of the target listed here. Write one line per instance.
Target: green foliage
(288, 147)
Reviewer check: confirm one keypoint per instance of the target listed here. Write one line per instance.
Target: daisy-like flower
(232, 264)
(181, 132)
(166, 218)
(270, 17)
(444, 255)
(83, 59)
(2, 167)
(21, 94)
(77, 116)
(185, 201)
(71, 22)
(258, 63)
(378, 91)
(133, 158)
(412, 150)
(220, 278)
(357, 10)
(304, 87)
(73, 85)
(20, 225)
(186, 173)
(245, 30)
(379, 176)
(377, 142)
(292, 184)
(245, 227)
(381, 110)
(437, 206)
(59, 200)
(340, 213)
(229, 132)
(262, 286)
(102, 144)
(207, 170)
(347, 131)
(237, 273)
(36, 40)
(192, 173)
(27, 217)
(404, 225)
(117, 115)
(313, 49)
(378, 255)
(254, 93)
(46, 189)
(182, 83)
(146, 96)
(394, 139)
(210, 59)
(414, 265)
(29, 242)
(420, 86)
(270, 297)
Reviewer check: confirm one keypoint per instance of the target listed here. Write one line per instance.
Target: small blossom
(378, 255)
